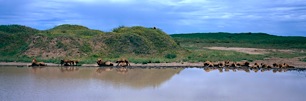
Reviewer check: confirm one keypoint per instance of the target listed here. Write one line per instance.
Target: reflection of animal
(104, 69)
(104, 63)
(35, 63)
(68, 69)
(244, 64)
(207, 69)
(123, 62)
(122, 70)
(226, 64)
(69, 62)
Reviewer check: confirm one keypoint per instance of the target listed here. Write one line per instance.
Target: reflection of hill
(138, 78)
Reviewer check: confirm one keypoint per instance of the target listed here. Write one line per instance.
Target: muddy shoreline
(291, 61)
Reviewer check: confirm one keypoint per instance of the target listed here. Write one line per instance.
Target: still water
(171, 84)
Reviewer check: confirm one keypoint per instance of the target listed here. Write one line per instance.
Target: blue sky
(278, 17)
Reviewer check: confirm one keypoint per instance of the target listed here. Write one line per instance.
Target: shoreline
(291, 62)
(173, 64)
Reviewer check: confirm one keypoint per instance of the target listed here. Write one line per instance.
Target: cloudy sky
(278, 17)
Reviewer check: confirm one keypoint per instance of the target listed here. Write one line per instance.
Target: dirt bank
(250, 50)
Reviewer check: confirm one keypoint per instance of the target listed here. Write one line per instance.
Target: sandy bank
(250, 50)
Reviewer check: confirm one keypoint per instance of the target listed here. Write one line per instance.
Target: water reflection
(36, 69)
(69, 69)
(151, 84)
(136, 77)
(131, 77)
(105, 69)
(248, 70)
(120, 70)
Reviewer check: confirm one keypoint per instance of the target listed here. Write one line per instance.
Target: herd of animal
(122, 62)
(245, 64)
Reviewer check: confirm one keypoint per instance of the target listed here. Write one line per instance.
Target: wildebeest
(69, 62)
(123, 62)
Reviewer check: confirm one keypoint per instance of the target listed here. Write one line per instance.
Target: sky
(277, 17)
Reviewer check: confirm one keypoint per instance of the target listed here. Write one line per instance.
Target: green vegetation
(303, 59)
(140, 40)
(14, 39)
(137, 44)
(196, 43)
(21, 43)
(170, 56)
(254, 40)
(218, 55)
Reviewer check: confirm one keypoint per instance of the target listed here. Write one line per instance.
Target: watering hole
(150, 84)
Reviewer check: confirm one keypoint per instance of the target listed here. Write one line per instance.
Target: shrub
(170, 56)
(145, 62)
(303, 59)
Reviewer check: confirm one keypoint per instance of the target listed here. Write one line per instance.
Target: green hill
(252, 40)
(137, 44)
(14, 39)
(79, 42)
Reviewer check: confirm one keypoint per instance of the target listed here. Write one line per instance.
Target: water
(189, 84)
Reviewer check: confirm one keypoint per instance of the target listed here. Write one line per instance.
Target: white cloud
(227, 15)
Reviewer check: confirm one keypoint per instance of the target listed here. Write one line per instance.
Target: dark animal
(69, 62)
(123, 62)
(208, 64)
(104, 63)
(35, 63)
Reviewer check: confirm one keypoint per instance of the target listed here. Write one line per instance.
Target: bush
(303, 59)
(170, 56)
(145, 62)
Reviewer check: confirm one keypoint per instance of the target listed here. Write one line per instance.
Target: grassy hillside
(254, 40)
(196, 44)
(137, 44)
(21, 43)
(14, 40)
